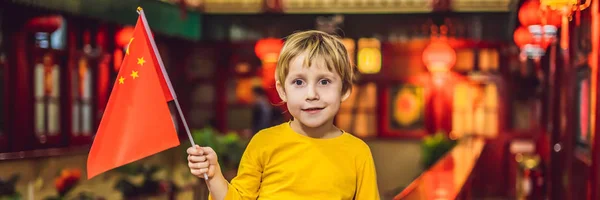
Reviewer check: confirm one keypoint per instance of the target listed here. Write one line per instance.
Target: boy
(308, 157)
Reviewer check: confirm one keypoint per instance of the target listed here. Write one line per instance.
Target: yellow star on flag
(121, 80)
(134, 74)
(128, 46)
(141, 61)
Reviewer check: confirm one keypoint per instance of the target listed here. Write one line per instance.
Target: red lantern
(44, 24)
(529, 13)
(268, 49)
(552, 17)
(439, 56)
(124, 35)
(522, 36)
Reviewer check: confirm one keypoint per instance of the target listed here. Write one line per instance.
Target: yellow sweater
(282, 164)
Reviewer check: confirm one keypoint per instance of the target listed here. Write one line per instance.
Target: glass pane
(491, 110)
(363, 97)
(76, 119)
(202, 64)
(38, 75)
(364, 124)
(86, 112)
(465, 59)
(200, 117)
(203, 93)
(522, 115)
(343, 120)
(53, 117)
(368, 96)
(231, 90)
(39, 117)
(239, 118)
(488, 59)
(492, 123)
(479, 123)
(55, 81)
(87, 83)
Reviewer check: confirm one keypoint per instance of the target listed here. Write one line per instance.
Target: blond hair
(316, 45)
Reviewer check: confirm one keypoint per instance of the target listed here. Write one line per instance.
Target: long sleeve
(367, 180)
(247, 182)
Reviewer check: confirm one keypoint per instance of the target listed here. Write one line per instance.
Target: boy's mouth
(312, 110)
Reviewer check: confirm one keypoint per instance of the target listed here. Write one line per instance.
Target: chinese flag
(137, 122)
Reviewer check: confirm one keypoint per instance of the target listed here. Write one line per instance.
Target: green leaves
(434, 147)
(229, 146)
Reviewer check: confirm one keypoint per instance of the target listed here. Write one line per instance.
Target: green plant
(433, 147)
(229, 146)
(8, 190)
(66, 181)
(149, 186)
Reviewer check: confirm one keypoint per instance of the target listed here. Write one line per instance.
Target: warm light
(350, 48)
(243, 90)
(522, 37)
(124, 35)
(439, 56)
(268, 49)
(242, 68)
(529, 13)
(369, 55)
(488, 59)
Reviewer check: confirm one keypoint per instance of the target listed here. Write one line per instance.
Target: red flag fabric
(137, 122)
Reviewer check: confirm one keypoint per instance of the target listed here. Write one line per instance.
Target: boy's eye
(297, 82)
(324, 82)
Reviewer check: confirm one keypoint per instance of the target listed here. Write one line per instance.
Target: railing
(447, 178)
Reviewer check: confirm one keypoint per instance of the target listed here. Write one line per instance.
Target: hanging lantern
(565, 8)
(124, 35)
(529, 13)
(551, 17)
(369, 56)
(47, 24)
(268, 49)
(439, 56)
(522, 36)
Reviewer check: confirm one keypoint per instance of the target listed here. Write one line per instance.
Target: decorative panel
(356, 6)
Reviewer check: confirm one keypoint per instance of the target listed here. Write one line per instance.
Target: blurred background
(457, 99)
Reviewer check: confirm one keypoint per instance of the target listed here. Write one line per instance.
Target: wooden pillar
(594, 171)
(559, 129)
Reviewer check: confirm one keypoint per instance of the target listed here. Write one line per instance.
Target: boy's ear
(280, 91)
(346, 94)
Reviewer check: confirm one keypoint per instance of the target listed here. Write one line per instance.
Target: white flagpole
(166, 77)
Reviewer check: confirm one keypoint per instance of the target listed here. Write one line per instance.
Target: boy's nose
(311, 94)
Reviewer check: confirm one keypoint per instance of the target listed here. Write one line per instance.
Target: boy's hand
(203, 160)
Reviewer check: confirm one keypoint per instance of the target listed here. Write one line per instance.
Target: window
(47, 98)
(475, 110)
(358, 114)
(82, 98)
(200, 73)
(240, 100)
(47, 64)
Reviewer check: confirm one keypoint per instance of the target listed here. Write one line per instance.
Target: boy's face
(313, 94)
